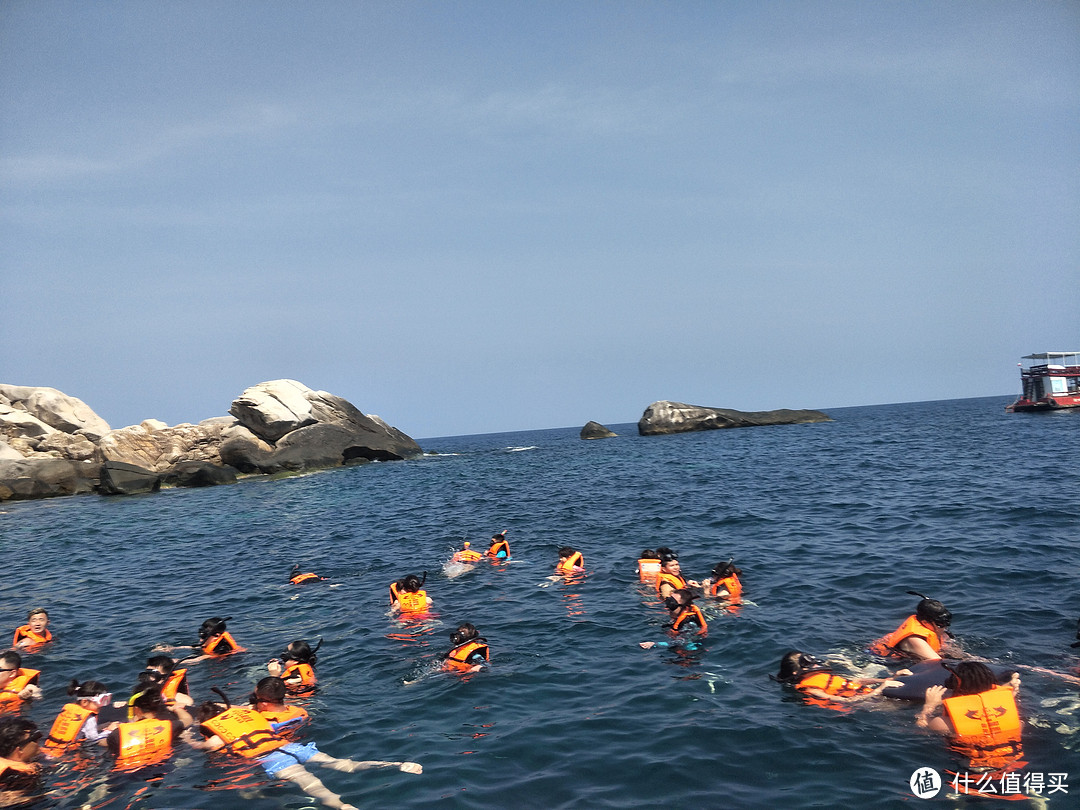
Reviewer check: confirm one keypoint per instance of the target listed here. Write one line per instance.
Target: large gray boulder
(45, 478)
(56, 409)
(199, 474)
(119, 478)
(678, 417)
(594, 430)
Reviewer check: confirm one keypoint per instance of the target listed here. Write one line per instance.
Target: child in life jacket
(19, 746)
(980, 716)
(151, 731)
(570, 560)
(470, 651)
(296, 577)
(215, 640)
(78, 720)
(268, 699)
(32, 635)
(724, 582)
(173, 681)
(467, 555)
(17, 684)
(500, 548)
(296, 667)
(921, 636)
(815, 678)
(408, 595)
(246, 733)
(685, 615)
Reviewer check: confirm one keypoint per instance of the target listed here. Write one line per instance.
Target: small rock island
(678, 417)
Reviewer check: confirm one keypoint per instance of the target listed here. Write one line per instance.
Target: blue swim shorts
(287, 755)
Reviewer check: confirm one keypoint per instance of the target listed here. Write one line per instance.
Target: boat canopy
(1060, 359)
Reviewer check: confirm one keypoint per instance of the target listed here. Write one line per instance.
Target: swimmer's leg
(351, 765)
(310, 784)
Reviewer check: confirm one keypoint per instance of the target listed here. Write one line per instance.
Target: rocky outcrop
(53, 444)
(594, 430)
(678, 417)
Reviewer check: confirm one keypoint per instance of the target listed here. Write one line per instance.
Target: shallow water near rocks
(831, 523)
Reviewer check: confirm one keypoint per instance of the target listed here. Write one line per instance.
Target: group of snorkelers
(144, 729)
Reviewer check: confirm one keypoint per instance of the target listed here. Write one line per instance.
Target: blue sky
(472, 217)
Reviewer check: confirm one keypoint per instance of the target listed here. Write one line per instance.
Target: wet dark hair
(931, 610)
(209, 710)
(795, 663)
(35, 611)
(686, 596)
(725, 569)
(149, 679)
(969, 678)
(566, 551)
(147, 698)
(212, 627)
(163, 661)
(648, 554)
(412, 583)
(86, 689)
(301, 652)
(465, 632)
(270, 689)
(11, 659)
(666, 554)
(14, 732)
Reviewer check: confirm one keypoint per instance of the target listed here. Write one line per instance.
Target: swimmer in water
(670, 578)
(268, 699)
(648, 565)
(78, 720)
(296, 577)
(815, 678)
(408, 595)
(19, 772)
(921, 636)
(470, 651)
(570, 560)
(685, 615)
(17, 684)
(724, 582)
(296, 667)
(35, 632)
(500, 548)
(466, 555)
(174, 684)
(246, 733)
(152, 729)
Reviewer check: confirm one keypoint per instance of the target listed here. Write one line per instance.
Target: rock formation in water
(678, 417)
(52, 444)
(594, 430)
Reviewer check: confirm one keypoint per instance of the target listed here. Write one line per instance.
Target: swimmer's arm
(913, 645)
(925, 718)
(183, 715)
(648, 645)
(214, 743)
(275, 667)
(30, 692)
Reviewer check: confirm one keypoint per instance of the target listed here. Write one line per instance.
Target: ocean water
(831, 523)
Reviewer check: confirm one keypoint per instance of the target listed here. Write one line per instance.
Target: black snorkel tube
(228, 703)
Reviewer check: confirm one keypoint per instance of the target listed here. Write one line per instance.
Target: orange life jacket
(305, 673)
(144, 741)
(690, 613)
(731, 584)
(833, 684)
(9, 697)
(987, 727)
(567, 566)
(288, 719)
(245, 732)
(212, 643)
(674, 580)
(458, 658)
(912, 627)
(25, 632)
(176, 682)
(497, 546)
(65, 729)
(412, 602)
(300, 579)
(648, 569)
(467, 555)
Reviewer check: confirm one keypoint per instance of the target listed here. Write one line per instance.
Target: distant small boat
(1051, 381)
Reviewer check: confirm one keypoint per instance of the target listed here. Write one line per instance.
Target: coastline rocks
(157, 447)
(55, 409)
(120, 478)
(198, 474)
(677, 417)
(46, 478)
(594, 430)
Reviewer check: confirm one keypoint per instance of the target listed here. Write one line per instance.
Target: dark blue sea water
(831, 524)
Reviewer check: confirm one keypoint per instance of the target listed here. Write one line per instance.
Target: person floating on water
(78, 720)
(648, 565)
(35, 632)
(296, 577)
(408, 595)
(570, 560)
(815, 679)
(17, 684)
(467, 555)
(247, 733)
(685, 615)
(296, 667)
(174, 684)
(981, 717)
(670, 578)
(500, 548)
(268, 699)
(20, 774)
(215, 639)
(920, 636)
(470, 651)
(151, 731)
(724, 582)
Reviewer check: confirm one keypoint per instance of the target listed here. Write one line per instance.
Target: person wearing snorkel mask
(814, 678)
(685, 615)
(77, 721)
(152, 729)
(470, 651)
(921, 636)
(174, 684)
(296, 667)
